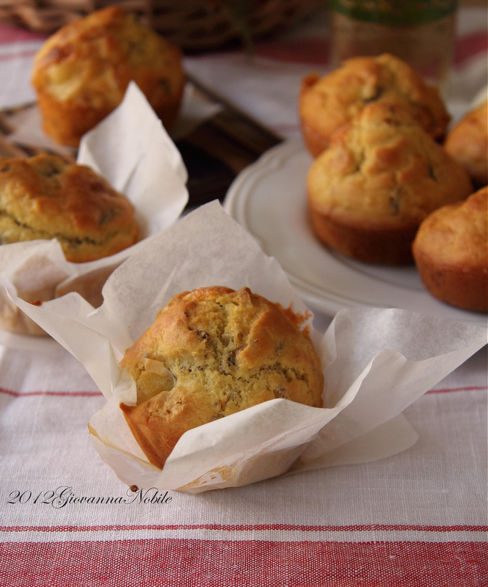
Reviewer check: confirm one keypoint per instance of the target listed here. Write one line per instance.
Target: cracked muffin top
(383, 169)
(45, 197)
(81, 72)
(212, 352)
(329, 102)
(380, 177)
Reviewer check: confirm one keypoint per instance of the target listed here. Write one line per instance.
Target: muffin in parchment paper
(212, 352)
(45, 197)
(82, 71)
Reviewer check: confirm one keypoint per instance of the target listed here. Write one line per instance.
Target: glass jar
(421, 32)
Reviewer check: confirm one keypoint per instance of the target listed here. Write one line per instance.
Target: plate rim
(324, 301)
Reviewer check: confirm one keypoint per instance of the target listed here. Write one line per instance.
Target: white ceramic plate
(268, 199)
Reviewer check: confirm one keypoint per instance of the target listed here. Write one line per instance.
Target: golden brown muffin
(451, 252)
(45, 197)
(81, 73)
(380, 177)
(467, 142)
(328, 103)
(212, 352)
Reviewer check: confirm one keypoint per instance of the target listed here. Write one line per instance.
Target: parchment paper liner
(376, 363)
(132, 150)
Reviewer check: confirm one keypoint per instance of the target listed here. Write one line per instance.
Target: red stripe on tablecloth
(470, 45)
(244, 562)
(250, 527)
(450, 389)
(56, 393)
(313, 51)
(97, 393)
(310, 51)
(27, 53)
(10, 34)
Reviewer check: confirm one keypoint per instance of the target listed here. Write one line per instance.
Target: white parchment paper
(376, 362)
(132, 150)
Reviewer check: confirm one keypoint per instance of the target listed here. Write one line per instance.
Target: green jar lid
(395, 12)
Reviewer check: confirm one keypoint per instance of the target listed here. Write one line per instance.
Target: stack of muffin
(389, 184)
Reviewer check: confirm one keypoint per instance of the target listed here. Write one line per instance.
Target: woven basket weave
(190, 24)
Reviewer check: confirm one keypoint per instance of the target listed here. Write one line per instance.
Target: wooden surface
(218, 150)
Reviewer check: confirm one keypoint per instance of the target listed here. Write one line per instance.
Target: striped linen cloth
(418, 518)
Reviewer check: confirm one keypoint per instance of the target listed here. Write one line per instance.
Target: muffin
(45, 197)
(212, 352)
(380, 177)
(328, 103)
(467, 142)
(451, 253)
(81, 72)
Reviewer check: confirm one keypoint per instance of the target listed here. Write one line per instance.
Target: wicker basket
(190, 24)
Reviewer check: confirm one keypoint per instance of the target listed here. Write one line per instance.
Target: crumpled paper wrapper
(132, 150)
(376, 362)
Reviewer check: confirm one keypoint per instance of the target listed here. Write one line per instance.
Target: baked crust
(451, 253)
(467, 143)
(329, 102)
(44, 197)
(380, 177)
(81, 72)
(212, 352)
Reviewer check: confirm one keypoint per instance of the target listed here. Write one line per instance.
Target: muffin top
(457, 234)
(91, 61)
(329, 102)
(45, 197)
(212, 352)
(467, 142)
(384, 170)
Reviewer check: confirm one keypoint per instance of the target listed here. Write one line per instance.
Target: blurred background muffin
(81, 72)
(451, 252)
(467, 142)
(329, 102)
